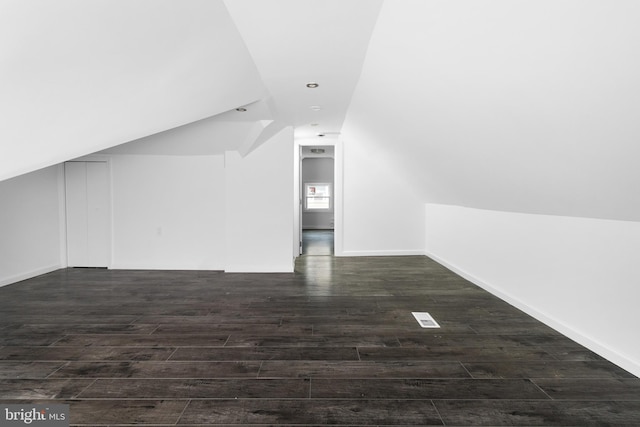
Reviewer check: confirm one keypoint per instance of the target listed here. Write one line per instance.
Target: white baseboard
(407, 252)
(166, 267)
(258, 269)
(28, 275)
(593, 345)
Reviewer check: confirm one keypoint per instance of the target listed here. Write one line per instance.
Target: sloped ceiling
(166, 76)
(294, 42)
(525, 106)
(228, 131)
(80, 76)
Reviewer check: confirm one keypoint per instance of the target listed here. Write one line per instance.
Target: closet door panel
(87, 209)
(75, 174)
(98, 214)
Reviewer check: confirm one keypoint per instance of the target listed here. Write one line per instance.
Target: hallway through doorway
(317, 242)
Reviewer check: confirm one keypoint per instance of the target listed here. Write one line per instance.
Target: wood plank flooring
(332, 344)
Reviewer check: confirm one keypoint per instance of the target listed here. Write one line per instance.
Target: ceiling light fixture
(241, 109)
(316, 108)
(314, 124)
(312, 85)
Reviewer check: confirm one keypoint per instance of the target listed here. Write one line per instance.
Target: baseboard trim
(29, 275)
(619, 359)
(164, 267)
(258, 269)
(407, 252)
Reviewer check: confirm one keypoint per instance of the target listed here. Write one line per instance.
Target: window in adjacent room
(317, 196)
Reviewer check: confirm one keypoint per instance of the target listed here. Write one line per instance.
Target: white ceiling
(294, 42)
(528, 106)
(523, 106)
(80, 76)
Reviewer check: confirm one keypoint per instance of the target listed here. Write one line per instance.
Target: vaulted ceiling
(81, 77)
(525, 106)
(528, 106)
(77, 77)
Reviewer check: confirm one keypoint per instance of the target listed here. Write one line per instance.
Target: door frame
(338, 230)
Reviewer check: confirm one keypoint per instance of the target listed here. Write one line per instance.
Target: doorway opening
(317, 199)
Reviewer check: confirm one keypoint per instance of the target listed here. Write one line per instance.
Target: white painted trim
(338, 188)
(112, 213)
(62, 215)
(29, 275)
(158, 267)
(258, 269)
(338, 194)
(399, 252)
(619, 359)
(297, 200)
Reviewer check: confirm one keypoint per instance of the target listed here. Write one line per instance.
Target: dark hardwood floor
(333, 344)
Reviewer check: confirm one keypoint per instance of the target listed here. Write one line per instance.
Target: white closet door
(87, 203)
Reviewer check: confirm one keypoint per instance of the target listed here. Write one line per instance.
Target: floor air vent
(425, 320)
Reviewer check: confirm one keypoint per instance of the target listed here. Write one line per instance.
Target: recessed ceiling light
(241, 109)
(312, 85)
(316, 108)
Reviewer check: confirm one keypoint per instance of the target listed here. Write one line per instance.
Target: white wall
(259, 211)
(208, 212)
(579, 275)
(382, 215)
(30, 225)
(168, 212)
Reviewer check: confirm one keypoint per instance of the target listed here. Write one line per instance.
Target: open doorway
(317, 196)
